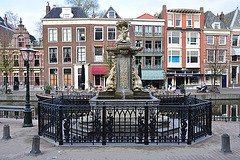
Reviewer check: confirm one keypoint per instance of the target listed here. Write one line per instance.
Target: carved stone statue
(136, 80)
(123, 29)
(111, 83)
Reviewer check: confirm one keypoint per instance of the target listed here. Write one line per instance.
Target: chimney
(47, 8)
(5, 19)
(222, 16)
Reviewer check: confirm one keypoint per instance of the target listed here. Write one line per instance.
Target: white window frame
(148, 30)
(190, 36)
(96, 27)
(196, 21)
(54, 37)
(209, 39)
(158, 30)
(70, 55)
(224, 56)
(140, 42)
(64, 74)
(233, 35)
(83, 55)
(138, 30)
(170, 17)
(49, 56)
(112, 32)
(178, 19)
(190, 54)
(95, 57)
(223, 40)
(188, 19)
(114, 14)
(170, 36)
(170, 53)
(213, 56)
(216, 25)
(77, 36)
(67, 36)
(95, 79)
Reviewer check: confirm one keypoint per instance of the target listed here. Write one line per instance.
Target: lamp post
(28, 55)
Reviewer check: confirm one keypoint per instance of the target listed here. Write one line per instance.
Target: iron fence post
(39, 117)
(209, 118)
(189, 141)
(146, 142)
(104, 125)
(60, 132)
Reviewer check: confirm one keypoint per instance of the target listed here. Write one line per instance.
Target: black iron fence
(177, 119)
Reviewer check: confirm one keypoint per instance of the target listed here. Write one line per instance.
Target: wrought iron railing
(177, 119)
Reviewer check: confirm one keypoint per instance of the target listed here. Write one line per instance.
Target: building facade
(183, 47)
(75, 46)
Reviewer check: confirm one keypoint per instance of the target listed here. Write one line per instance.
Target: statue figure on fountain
(123, 29)
(111, 80)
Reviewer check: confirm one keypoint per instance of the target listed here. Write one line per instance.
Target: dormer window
(66, 13)
(111, 14)
(216, 25)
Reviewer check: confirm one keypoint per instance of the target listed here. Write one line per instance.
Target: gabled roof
(210, 18)
(76, 11)
(232, 19)
(184, 10)
(9, 26)
(147, 16)
(111, 9)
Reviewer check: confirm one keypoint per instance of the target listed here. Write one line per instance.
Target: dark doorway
(179, 81)
(224, 81)
(16, 84)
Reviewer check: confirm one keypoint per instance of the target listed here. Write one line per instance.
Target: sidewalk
(21, 144)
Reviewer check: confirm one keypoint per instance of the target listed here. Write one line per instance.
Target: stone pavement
(21, 144)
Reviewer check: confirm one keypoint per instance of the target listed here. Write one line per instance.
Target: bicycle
(214, 90)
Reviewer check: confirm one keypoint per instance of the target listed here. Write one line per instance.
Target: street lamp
(28, 55)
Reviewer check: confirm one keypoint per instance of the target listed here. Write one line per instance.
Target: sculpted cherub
(123, 29)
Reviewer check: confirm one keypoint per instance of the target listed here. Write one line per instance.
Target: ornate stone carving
(123, 29)
(111, 80)
(136, 80)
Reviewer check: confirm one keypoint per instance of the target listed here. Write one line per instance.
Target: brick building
(183, 46)
(17, 79)
(73, 41)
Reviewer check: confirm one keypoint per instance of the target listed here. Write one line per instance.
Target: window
(111, 14)
(67, 55)
(138, 43)
(98, 33)
(20, 41)
(138, 59)
(36, 60)
(189, 21)
(97, 80)
(222, 40)
(196, 21)
(170, 20)
(235, 40)
(221, 56)
(210, 40)
(158, 46)
(53, 76)
(178, 20)
(216, 25)
(67, 77)
(148, 46)
(52, 55)
(148, 62)
(158, 62)
(192, 38)
(174, 37)
(52, 35)
(158, 30)
(81, 54)
(192, 56)
(174, 56)
(37, 79)
(15, 61)
(234, 58)
(234, 74)
(98, 54)
(138, 30)
(81, 34)
(148, 30)
(211, 56)
(66, 35)
(111, 33)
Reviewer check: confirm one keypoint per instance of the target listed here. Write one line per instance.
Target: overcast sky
(32, 11)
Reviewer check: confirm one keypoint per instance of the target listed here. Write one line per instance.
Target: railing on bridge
(177, 119)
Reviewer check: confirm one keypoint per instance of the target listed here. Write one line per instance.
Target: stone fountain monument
(123, 84)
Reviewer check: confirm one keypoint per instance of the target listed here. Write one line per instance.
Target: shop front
(99, 74)
(153, 78)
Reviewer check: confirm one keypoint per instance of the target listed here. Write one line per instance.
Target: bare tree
(39, 29)
(12, 18)
(88, 6)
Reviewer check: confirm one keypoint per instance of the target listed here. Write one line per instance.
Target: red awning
(100, 69)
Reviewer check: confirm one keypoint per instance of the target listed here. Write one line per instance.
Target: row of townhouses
(180, 46)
